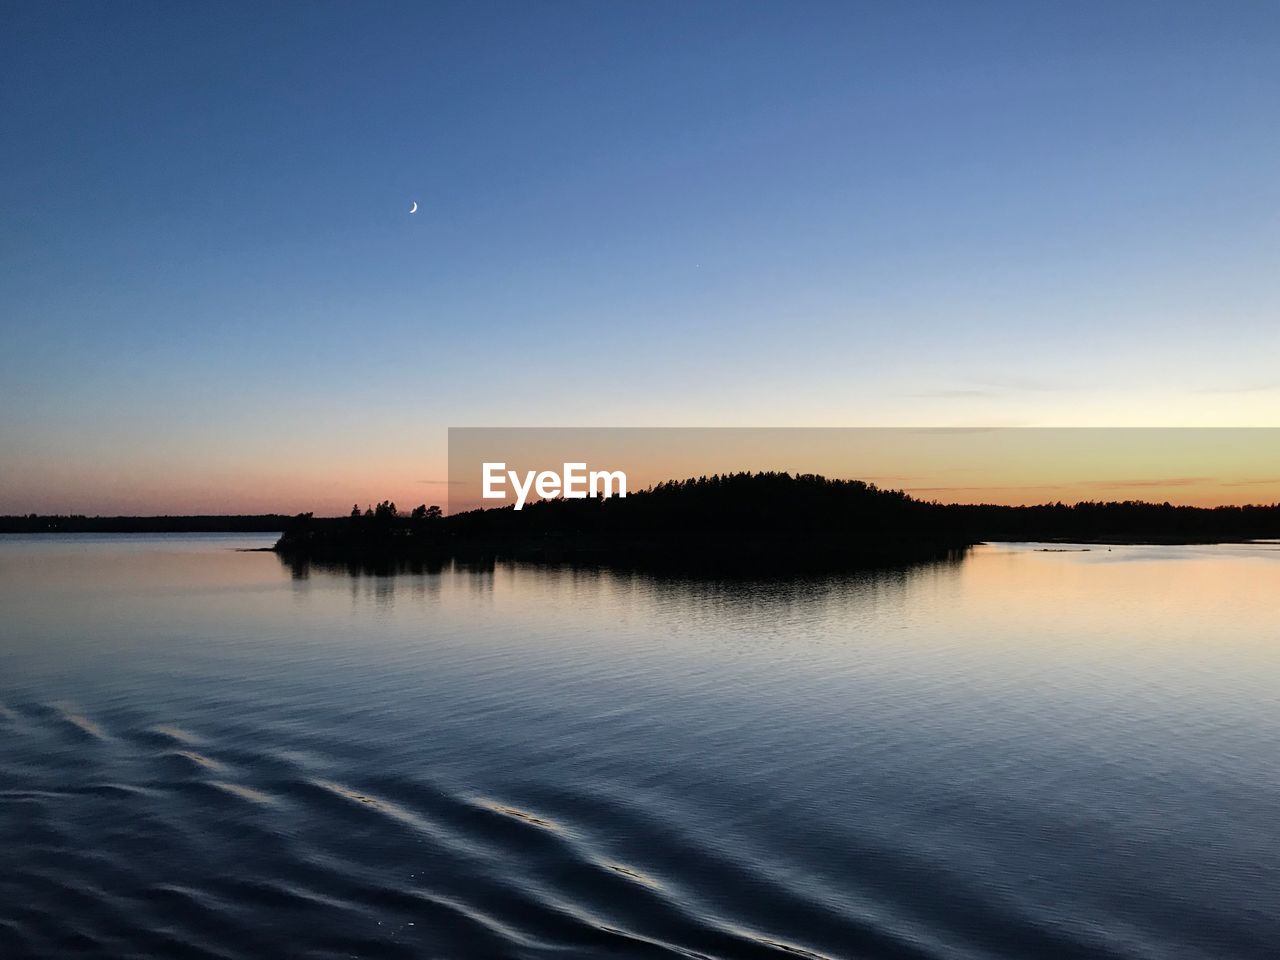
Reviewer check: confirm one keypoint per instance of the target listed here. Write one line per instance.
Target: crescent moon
(414, 208)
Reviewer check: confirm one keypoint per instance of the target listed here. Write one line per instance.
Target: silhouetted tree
(774, 520)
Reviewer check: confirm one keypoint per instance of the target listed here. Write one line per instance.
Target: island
(765, 522)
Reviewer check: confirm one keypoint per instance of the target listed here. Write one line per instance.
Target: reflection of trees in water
(691, 595)
(301, 567)
(757, 600)
(383, 581)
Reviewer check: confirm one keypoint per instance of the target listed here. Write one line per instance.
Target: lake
(1020, 754)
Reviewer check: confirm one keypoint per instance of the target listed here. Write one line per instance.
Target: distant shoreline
(887, 524)
(775, 522)
(1105, 542)
(198, 523)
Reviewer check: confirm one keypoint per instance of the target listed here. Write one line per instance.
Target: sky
(213, 297)
(1204, 466)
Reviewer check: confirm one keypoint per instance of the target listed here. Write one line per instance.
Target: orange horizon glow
(288, 500)
(1017, 467)
(1210, 467)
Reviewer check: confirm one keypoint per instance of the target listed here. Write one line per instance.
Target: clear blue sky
(213, 296)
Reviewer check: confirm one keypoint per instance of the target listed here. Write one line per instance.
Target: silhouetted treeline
(758, 520)
(1129, 521)
(744, 520)
(75, 523)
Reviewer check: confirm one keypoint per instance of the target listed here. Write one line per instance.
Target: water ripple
(542, 766)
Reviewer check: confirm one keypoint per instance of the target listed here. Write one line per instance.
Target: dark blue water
(1024, 754)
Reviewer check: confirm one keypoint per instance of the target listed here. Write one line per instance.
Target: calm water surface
(1024, 754)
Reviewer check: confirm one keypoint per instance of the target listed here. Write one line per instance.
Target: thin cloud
(1241, 388)
(997, 387)
(1251, 483)
(987, 428)
(958, 393)
(1089, 484)
(1159, 482)
(986, 487)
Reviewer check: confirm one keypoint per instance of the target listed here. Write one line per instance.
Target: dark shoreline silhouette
(755, 523)
(202, 523)
(762, 523)
(740, 522)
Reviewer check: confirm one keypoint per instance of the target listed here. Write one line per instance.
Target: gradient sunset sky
(213, 296)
